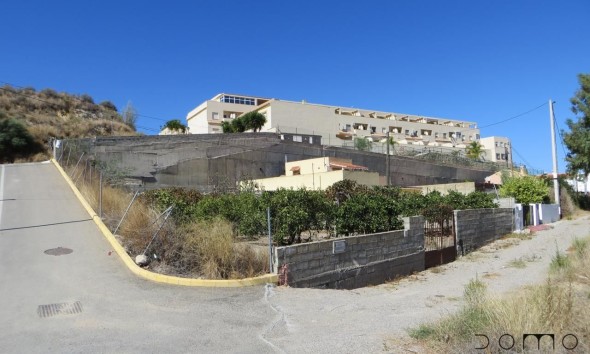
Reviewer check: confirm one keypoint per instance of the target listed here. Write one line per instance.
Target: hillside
(48, 113)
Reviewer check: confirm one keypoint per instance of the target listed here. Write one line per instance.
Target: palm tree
(175, 125)
(253, 120)
(474, 150)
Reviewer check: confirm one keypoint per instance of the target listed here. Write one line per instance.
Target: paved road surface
(120, 312)
(125, 314)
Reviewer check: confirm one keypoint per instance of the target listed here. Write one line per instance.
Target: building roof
(348, 166)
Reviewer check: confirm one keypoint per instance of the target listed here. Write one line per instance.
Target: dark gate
(439, 240)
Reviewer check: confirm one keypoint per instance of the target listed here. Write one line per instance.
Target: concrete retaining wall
(478, 227)
(218, 161)
(356, 261)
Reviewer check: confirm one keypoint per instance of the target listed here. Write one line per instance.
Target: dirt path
(376, 319)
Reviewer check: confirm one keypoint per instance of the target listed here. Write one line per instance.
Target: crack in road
(268, 292)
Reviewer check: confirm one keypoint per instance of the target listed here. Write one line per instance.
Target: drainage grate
(59, 309)
(58, 251)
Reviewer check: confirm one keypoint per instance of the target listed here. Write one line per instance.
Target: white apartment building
(337, 125)
(497, 149)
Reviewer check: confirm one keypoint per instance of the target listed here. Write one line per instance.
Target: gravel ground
(376, 319)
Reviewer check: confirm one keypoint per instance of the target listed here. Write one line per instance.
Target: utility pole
(387, 161)
(554, 153)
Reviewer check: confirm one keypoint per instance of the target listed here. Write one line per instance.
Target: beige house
(339, 126)
(208, 116)
(497, 149)
(318, 174)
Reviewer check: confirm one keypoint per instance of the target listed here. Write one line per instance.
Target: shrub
(525, 189)
(16, 141)
(183, 200)
(108, 105)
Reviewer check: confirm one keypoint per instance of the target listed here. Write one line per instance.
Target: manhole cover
(59, 309)
(58, 251)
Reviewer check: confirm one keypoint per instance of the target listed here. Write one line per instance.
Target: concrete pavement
(120, 312)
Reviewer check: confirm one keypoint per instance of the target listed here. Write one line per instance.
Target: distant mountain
(48, 113)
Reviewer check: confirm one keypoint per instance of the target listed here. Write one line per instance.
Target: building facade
(497, 149)
(318, 174)
(340, 126)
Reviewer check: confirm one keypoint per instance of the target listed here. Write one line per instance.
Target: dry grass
(209, 246)
(560, 306)
(202, 248)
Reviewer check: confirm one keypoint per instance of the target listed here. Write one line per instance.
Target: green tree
(525, 189)
(577, 139)
(175, 125)
(474, 150)
(15, 140)
(250, 121)
(363, 144)
(226, 127)
(253, 120)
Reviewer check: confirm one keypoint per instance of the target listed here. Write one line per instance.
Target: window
(503, 157)
(238, 100)
(497, 156)
(444, 135)
(215, 115)
(435, 135)
(297, 138)
(407, 132)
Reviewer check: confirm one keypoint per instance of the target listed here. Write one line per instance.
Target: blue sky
(482, 61)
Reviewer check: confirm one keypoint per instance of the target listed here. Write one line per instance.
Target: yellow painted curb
(160, 278)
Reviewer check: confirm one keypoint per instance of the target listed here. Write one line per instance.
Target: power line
(561, 140)
(522, 158)
(514, 117)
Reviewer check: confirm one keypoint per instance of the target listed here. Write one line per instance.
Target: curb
(159, 278)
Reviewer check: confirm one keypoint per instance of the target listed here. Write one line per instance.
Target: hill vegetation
(48, 113)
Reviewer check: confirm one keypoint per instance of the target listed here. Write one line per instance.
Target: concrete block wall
(363, 260)
(478, 227)
(208, 161)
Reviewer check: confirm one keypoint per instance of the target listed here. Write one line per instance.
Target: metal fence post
(126, 211)
(269, 240)
(100, 195)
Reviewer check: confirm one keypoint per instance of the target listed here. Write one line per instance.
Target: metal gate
(439, 241)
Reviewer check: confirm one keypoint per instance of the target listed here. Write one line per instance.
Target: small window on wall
(297, 138)
(215, 115)
(497, 156)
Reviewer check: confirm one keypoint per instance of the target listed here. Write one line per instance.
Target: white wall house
(338, 125)
(497, 149)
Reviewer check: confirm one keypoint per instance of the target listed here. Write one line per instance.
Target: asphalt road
(120, 313)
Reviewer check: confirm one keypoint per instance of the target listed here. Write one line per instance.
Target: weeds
(199, 248)
(559, 261)
(560, 306)
(517, 263)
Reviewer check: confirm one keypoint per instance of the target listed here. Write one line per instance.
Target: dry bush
(139, 227)
(203, 248)
(209, 249)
